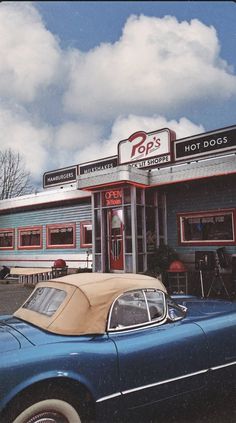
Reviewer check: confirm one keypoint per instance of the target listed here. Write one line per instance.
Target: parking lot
(12, 295)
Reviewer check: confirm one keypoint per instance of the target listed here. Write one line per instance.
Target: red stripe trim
(44, 260)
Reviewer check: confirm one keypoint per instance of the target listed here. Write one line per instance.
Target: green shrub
(160, 260)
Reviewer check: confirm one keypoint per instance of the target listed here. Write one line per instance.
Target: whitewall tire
(53, 410)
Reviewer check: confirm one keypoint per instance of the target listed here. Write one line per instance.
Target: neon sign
(112, 197)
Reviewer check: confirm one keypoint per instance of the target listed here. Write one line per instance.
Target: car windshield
(45, 300)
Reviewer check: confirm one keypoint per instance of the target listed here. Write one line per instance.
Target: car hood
(201, 307)
(9, 341)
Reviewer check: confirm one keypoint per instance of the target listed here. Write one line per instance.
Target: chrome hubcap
(48, 417)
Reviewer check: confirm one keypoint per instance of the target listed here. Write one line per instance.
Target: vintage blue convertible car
(92, 347)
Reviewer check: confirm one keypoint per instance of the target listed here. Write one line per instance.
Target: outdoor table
(31, 275)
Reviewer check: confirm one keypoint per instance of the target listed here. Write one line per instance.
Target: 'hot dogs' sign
(205, 144)
(146, 149)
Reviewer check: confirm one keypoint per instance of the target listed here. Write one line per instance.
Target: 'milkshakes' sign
(60, 177)
(146, 149)
(205, 144)
(98, 165)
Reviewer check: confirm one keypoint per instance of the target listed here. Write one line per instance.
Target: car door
(158, 358)
(220, 331)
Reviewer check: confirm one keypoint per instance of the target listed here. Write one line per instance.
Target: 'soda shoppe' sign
(146, 149)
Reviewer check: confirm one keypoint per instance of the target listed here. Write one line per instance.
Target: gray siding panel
(204, 195)
(63, 214)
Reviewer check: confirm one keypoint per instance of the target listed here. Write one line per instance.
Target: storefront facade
(185, 197)
(157, 191)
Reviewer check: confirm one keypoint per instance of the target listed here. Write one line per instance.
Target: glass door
(116, 239)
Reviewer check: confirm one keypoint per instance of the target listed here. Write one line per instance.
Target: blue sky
(78, 77)
(85, 24)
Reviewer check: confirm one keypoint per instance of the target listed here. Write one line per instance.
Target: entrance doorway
(128, 224)
(116, 239)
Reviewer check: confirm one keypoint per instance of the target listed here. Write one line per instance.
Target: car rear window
(45, 300)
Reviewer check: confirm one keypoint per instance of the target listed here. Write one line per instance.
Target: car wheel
(50, 410)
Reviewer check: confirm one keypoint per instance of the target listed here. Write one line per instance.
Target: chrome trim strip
(109, 397)
(141, 326)
(147, 324)
(140, 388)
(223, 365)
(128, 391)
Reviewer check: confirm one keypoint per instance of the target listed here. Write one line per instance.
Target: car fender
(43, 363)
(45, 377)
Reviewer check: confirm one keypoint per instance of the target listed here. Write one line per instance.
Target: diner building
(37, 229)
(114, 213)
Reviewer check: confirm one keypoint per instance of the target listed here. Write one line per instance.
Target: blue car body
(123, 369)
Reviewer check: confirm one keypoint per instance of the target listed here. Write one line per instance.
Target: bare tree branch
(14, 178)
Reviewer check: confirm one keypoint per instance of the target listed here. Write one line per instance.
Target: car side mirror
(175, 311)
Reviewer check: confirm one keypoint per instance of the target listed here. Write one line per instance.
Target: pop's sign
(146, 149)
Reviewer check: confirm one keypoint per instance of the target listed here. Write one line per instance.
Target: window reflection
(45, 300)
(207, 227)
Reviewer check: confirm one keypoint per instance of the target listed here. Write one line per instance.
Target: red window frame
(83, 224)
(60, 226)
(12, 247)
(29, 247)
(201, 214)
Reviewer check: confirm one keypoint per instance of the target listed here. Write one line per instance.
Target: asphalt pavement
(12, 296)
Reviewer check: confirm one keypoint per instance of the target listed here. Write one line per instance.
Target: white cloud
(155, 71)
(31, 142)
(76, 142)
(126, 126)
(156, 65)
(44, 147)
(30, 54)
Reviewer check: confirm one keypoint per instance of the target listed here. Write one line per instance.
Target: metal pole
(202, 288)
(201, 278)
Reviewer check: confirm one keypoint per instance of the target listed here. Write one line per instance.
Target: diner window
(207, 228)
(61, 235)
(6, 239)
(86, 234)
(30, 237)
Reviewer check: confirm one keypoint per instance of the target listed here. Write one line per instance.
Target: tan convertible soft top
(86, 305)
